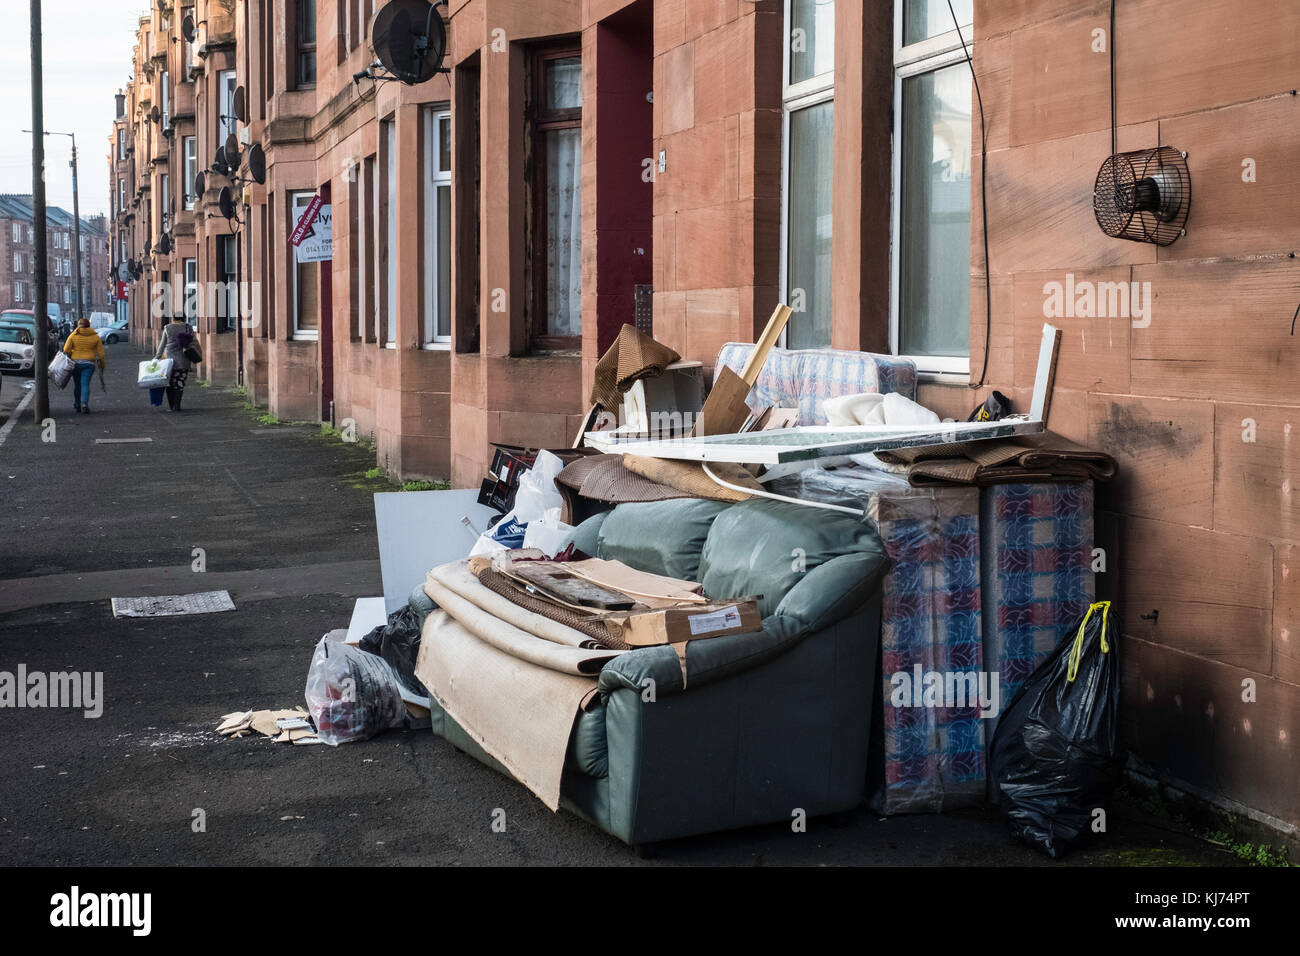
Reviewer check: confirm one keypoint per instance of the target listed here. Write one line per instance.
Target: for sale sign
(313, 236)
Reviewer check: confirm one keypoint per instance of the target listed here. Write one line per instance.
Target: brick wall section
(1206, 524)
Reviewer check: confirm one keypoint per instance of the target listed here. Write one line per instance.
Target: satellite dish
(136, 270)
(241, 104)
(165, 244)
(187, 29)
(257, 163)
(200, 185)
(232, 151)
(409, 39)
(155, 115)
(219, 160)
(148, 246)
(226, 202)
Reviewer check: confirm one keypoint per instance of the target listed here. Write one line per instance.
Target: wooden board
(724, 411)
(766, 342)
(555, 581)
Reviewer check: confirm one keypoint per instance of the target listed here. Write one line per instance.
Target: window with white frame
(166, 100)
(191, 272)
(165, 215)
(18, 233)
(306, 277)
(121, 195)
(20, 293)
(187, 47)
(808, 119)
(436, 330)
(121, 143)
(226, 91)
(932, 185)
(191, 160)
(388, 137)
(18, 262)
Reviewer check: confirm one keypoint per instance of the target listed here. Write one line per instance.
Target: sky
(87, 53)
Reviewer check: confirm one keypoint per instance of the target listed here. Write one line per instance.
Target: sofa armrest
(832, 591)
(706, 660)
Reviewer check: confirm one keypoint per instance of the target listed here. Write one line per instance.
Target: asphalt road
(83, 521)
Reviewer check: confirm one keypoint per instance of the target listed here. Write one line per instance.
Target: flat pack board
(367, 614)
(808, 442)
(170, 605)
(419, 530)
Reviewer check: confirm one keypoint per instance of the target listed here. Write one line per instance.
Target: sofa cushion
(764, 547)
(662, 537)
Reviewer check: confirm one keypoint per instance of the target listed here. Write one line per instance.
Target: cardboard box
(673, 625)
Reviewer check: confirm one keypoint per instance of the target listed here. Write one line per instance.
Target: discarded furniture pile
(799, 590)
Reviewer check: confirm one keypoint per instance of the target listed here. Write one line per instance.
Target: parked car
(118, 331)
(26, 318)
(17, 354)
(102, 320)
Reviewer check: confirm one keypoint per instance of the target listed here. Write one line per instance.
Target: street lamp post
(76, 220)
(38, 216)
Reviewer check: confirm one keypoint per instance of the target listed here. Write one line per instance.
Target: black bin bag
(1056, 755)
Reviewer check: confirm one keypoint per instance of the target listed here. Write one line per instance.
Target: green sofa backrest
(765, 547)
(662, 537)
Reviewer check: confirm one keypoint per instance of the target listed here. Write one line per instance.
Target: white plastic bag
(61, 369)
(351, 694)
(154, 373)
(536, 496)
(547, 533)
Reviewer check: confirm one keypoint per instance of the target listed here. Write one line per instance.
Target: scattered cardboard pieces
(282, 726)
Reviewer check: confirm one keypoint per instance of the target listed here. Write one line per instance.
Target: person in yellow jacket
(86, 350)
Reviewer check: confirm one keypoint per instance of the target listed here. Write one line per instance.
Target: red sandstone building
(494, 227)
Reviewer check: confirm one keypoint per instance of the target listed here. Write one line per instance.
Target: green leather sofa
(768, 724)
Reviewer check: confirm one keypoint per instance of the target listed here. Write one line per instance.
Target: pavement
(284, 520)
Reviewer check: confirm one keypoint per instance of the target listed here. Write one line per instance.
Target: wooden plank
(724, 411)
(1257, 470)
(1186, 715)
(1045, 374)
(1165, 452)
(1213, 591)
(766, 342)
(554, 581)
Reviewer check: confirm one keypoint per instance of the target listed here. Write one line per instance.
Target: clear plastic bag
(61, 370)
(154, 373)
(351, 695)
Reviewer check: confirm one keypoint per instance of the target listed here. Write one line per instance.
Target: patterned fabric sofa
(804, 378)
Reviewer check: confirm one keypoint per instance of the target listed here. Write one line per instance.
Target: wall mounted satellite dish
(136, 269)
(219, 163)
(200, 185)
(409, 39)
(232, 151)
(257, 163)
(156, 115)
(189, 27)
(165, 245)
(148, 246)
(1144, 196)
(226, 202)
(241, 104)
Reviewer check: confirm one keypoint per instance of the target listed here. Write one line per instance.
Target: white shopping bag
(61, 370)
(154, 373)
